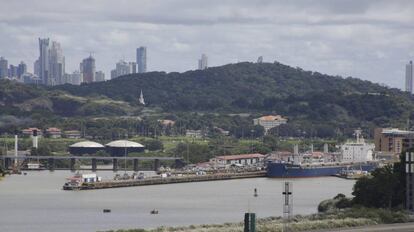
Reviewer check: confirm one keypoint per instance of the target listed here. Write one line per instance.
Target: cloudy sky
(370, 40)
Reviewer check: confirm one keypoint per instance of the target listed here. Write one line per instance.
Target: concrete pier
(167, 180)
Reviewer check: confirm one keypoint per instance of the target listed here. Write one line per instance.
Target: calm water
(36, 202)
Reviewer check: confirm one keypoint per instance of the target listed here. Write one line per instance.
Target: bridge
(8, 161)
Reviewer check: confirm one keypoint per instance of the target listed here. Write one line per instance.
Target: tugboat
(75, 182)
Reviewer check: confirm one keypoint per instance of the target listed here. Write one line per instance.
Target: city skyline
(364, 39)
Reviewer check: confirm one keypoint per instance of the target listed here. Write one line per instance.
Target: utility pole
(287, 205)
(188, 153)
(409, 175)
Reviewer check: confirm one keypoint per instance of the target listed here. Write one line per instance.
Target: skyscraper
(3, 67)
(56, 64)
(87, 68)
(142, 59)
(133, 67)
(12, 71)
(99, 76)
(44, 60)
(409, 77)
(21, 69)
(122, 68)
(202, 63)
(36, 68)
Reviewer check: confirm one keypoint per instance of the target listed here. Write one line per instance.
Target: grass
(352, 217)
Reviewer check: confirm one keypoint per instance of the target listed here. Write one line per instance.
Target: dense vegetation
(315, 104)
(384, 189)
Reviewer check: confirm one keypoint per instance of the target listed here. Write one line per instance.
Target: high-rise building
(56, 64)
(142, 59)
(12, 71)
(202, 63)
(76, 78)
(36, 68)
(44, 60)
(87, 69)
(122, 68)
(133, 67)
(3, 67)
(409, 77)
(99, 76)
(21, 69)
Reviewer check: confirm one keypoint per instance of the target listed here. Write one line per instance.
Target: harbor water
(36, 202)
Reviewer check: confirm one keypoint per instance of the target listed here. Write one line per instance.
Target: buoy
(255, 193)
(106, 210)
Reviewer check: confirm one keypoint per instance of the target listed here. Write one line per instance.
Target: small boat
(154, 211)
(106, 210)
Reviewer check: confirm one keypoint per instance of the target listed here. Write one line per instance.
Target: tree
(154, 145)
(380, 190)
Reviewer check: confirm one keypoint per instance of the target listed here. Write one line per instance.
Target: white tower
(141, 99)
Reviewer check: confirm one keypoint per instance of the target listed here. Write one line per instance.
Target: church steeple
(141, 99)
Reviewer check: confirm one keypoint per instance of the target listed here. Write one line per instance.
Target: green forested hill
(308, 99)
(263, 88)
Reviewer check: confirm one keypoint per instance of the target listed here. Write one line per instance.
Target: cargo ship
(354, 155)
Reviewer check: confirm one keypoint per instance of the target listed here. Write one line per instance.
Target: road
(400, 227)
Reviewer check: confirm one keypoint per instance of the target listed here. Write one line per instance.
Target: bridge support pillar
(72, 164)
(179, 163)
(135, 165)
(94, 164)
(51, 164)
(115, 164)
(7, 163)
(156, 165)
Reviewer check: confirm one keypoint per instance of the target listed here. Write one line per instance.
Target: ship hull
(284, 170)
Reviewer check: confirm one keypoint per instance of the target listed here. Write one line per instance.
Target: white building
(409, 77)
(243, 159)
(122, 68)
(269, 121)
(203, 62)
(99, 76)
